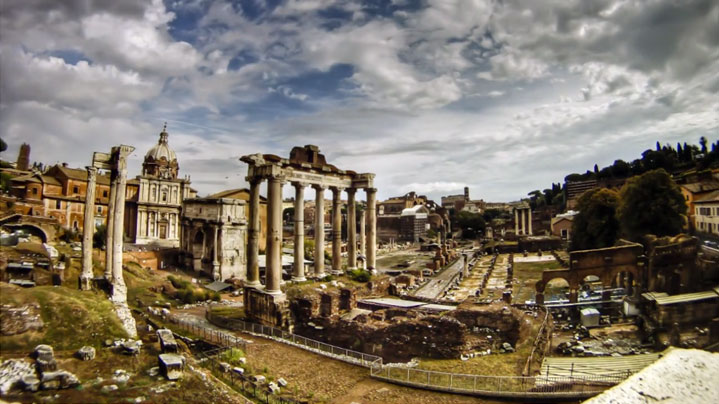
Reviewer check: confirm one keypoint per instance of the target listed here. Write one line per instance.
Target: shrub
(359, 275)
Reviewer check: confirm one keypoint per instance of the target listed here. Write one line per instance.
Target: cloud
(504, 97)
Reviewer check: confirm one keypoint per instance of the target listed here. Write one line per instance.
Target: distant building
(23, 158)
(413, 223)
(697, 191)
(396, 204)
(706, 213)
(561, 225)
(155, 201)
(456, 202)
(59, 194)
(243, 194)
(575, 189)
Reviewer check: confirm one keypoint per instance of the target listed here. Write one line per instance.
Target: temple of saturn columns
(305, 167)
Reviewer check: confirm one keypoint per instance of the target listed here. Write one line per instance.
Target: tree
(99, 237)
(651, 204)
(470, 223)
(3, 146)
(596, 224)
(703, 144)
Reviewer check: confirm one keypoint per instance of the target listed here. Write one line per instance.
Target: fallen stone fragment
(59, 379)
(171, 365)
(109, 388)
(86, 353)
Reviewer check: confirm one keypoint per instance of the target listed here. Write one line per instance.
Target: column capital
(371, 190)
(351, 191)
(299, 184)
(337, 190)
(91, 169)
(318, 187)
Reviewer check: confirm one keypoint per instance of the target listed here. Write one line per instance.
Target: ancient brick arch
(604, 263)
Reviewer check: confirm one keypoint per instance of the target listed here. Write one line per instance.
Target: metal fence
(334, 352)
(206, 333)
(497, 386)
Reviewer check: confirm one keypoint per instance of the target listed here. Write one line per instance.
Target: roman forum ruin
(305, 167)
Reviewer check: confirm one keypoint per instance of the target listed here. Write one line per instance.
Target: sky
(502, 96)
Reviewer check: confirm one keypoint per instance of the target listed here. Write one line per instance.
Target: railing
(335, 352)
(497, 386)
(206, 333)
(538, 340)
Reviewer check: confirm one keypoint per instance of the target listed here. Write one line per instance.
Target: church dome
(160, 160)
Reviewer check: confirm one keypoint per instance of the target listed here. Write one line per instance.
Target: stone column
(516, 221)
(109, 227)
(253, 238)
(273, 251)
(336, 230)
(88, 229)
(363, 220)
(351, 230)
(215, 262)
(465, 265)
(524, 222)
(298, 274)
(319, 231)
(119, 289)
(372, 231)
(529, 212)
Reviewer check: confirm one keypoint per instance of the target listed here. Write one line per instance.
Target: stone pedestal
(267, 308)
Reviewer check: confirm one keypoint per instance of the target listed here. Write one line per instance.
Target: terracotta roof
(699, 187)
(79, 174)
(233, 193)
(709, 197)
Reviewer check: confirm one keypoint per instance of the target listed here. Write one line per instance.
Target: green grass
(527, 274)
(71, 318)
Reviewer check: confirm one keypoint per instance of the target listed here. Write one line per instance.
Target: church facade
(154, 208)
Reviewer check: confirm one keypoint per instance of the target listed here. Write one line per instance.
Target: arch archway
(624, 280)
(198, 249)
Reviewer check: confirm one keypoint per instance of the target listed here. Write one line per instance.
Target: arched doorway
(557, 290)
(198, 249)
(624, 280)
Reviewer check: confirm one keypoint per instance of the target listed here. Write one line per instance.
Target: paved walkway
(437, 285)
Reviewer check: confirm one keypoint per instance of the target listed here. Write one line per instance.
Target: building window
(705, 211)
(34, 191)
(58, 205)
(75, 190)
(164, 197)
(74, 225)
(104, 194)
(99, 209)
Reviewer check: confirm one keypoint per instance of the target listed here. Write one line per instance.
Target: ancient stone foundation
(266, 308)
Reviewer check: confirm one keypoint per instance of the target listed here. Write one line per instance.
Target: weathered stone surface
(59, 379)
(109, 388)
(167, 340)
(18, 320)
(30, 383)
(258, 379)
(44, 358)
(282, 382)
(131, 347)
(121, 376)
(171, 365)
(12, 371)
(153, 371)
(86, 353)
(125, 314)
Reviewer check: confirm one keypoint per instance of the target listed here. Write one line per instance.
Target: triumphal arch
(305, 167)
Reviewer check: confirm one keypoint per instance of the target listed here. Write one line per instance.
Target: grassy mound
(72, 318)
